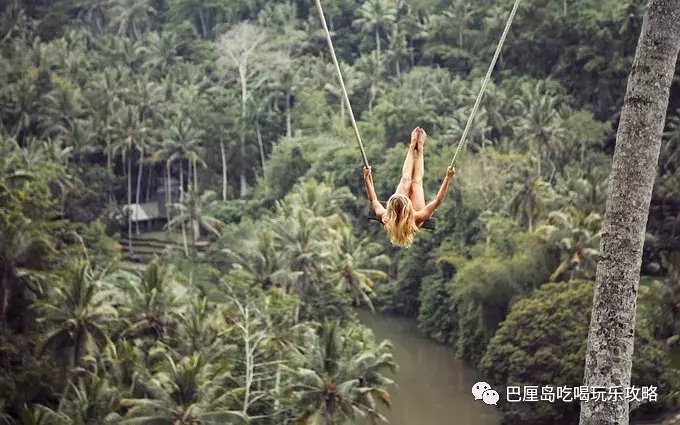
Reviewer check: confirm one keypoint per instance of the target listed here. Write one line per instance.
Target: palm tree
(12, 172)
(131, 133)
(197, 327)
(321, 198)
(341, 379)
(131, 17)
(101, 95)
(161, 51)
(23, 104)
(584, 190)
(60, 108)
(195, 213)
(370, 67)
(186, 393)
(150, 302)
(528, 202)
(263, 259)
(399, 45)
(22, 245)
(540, 123)
(180, 138)
(352, 79)
(479, 130)
(353, 264)
(79, 311)
(305, 239)
(286, 79)
(95, 14)
(38, 414)
(577, 234)
(93, 401)
(376, 16)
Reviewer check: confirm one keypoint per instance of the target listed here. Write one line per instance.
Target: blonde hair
(400, 221)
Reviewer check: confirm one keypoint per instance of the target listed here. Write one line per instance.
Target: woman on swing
(406, 210)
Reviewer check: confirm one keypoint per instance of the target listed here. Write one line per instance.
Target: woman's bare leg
(417, 192)
(405, 184)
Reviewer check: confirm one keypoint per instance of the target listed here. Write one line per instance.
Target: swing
(430, 223)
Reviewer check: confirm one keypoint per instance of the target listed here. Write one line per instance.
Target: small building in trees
(154, 213)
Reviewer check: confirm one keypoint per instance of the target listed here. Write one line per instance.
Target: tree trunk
(248, 360)
(109, 165)
(260, 145)
(168, 191)
(139, 184)
(195, 179)
(181, 201)
(289, 125)
(377, 47)
(224, 170)
(244, 93)
(277, 388)
(610, 341)
(149, 178)
(204, 27)
(6, 292)
(190, 175)
(130, 210)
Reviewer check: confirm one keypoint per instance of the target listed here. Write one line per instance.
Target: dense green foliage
(237, 102)
(542, 342)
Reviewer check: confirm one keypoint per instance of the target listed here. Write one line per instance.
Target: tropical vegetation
(234, 105)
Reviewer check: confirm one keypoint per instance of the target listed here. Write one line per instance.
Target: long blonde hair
(400, 221)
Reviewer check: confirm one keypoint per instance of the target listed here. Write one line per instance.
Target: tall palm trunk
(244, 94)
(377, 45)
(195, 177)
(289, 126)
(109, 165)
(224, 169)
(204, 25)
(260, 144)
(609, 355)
(139, 185)
(181, 201)
(149, 178)
(190, 177)
(6, 292)
(168, 191)
(129, 201)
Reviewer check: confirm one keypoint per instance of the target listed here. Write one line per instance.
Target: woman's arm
(430, 208)
(370, 192)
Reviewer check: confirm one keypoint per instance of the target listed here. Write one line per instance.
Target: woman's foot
(415, 136)
(421, 139)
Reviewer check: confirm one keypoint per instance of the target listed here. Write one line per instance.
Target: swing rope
(342, 82)
(486, 81)
(474, 108)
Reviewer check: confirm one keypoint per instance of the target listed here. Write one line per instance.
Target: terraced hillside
(146, 245)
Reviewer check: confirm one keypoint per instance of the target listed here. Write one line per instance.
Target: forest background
(237, 101)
